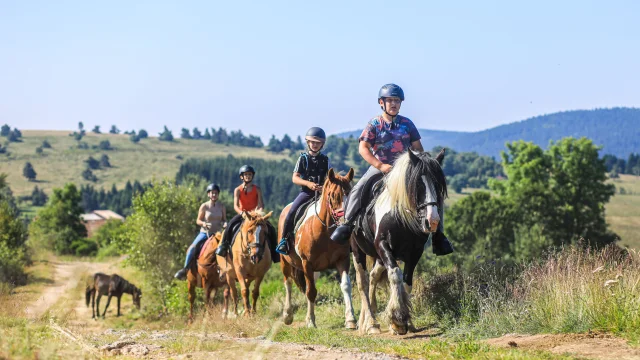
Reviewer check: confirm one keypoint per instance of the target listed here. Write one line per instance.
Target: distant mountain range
(616, 129)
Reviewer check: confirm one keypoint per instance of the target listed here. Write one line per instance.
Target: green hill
(148, 159)
(616, 129)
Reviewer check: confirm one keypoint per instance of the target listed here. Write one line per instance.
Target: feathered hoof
(399, 329)
(373, 329)
(351, 325)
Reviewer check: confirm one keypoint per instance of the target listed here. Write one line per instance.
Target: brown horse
(251, 261)
(205, 273)
(113, 285)
(314, 250)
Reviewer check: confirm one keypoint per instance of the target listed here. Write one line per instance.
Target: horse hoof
(398, 330)
(373, 330)
(287, 319)
(351, 325)
(311, 324)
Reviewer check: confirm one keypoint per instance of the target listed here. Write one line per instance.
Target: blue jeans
(191, 252)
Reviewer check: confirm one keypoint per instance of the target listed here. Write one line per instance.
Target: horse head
(335, 189)
(254, 230)
(137, 294)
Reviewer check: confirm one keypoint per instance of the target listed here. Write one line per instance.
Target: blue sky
(275, 67)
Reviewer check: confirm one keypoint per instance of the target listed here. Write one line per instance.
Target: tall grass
(575, 289)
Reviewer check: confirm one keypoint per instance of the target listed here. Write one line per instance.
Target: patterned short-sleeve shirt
(389, 140)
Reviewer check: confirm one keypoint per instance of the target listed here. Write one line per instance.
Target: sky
(276, 67)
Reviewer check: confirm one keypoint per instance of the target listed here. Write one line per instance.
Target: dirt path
(63, 294)
(65, 279)
(592, 345)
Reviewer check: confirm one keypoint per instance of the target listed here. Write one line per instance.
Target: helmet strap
(384, 108)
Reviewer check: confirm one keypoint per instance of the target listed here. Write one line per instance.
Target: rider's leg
(302, 198)
(223, 248)
(342, 233)
(191, 252)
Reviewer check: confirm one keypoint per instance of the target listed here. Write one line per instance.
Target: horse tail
(298, 278)
(88, 293)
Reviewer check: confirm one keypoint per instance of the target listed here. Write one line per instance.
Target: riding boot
(342, 233)
(283, 245)
(222, 249)
(440, 244)
(181, 274)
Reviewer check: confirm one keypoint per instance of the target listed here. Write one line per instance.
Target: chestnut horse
(314, 250)
(251, 261)
(205, 273)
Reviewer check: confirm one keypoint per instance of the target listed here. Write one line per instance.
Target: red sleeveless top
(248, 199)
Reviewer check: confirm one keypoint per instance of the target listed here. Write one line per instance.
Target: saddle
(300, 215)
(271, 238)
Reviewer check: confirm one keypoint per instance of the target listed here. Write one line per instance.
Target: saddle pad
(302, 214)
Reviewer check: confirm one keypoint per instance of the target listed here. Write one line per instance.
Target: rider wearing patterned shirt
(385, 138)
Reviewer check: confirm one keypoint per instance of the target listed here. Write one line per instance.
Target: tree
(104, 161)
(142, 134)
(38, 197)
(59, 224)
(88, 175)
(5, 130)
(29, 172)
(274, 145)
(207, 134)
(81, 128)
(166, 135)
(39, 150)
(92, 163)
(114, 130)
(96, 129)
(134, 138)
(286, 142)
(185, 134)
(197, 135)
(105, 145)
(13, 236)
(14, 135)
(45, 144)
(157, 232)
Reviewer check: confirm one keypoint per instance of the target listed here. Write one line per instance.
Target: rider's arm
(298, 180)
(224, 213)
(417, 146)
(260, 202)
(200, 220)
(236, 201)
(365, 152)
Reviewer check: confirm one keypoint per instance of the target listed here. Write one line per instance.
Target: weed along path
(61, 306)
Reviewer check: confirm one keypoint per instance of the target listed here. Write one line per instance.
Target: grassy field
(148, 159)
(623, 211)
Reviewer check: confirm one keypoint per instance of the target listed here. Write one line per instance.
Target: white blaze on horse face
(431, 197)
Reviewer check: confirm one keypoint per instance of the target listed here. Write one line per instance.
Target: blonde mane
(403, 207)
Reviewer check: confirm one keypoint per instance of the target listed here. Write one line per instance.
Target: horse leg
(119, 297)
(93, 304)
(399, 307)
(311, 293)
(207, 286)
(191, 285)
(409, 268)
(108, 302)
(255, 293)
(287, 313)
(98, 304)
(234, 293)
(245, 284)
(225, 302)
(374, 278)
(345, 286)
(367, 323)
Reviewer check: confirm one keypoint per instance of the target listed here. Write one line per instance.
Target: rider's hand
(313, 186)
(385, 168)
(224, 225)
(206, 225)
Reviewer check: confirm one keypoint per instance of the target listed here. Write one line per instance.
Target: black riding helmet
(315, 134)
(390, 90)
(212, 187)
(246, 168)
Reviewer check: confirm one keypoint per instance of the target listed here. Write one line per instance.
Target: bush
(142, 134)
(104, 161)
(105, 145)
(92, 163)
(39, 150)
(134, 138)
(45, 144)
(82, 145)
(84, 247)
(96, 129)
(88, 175)
(12, 262)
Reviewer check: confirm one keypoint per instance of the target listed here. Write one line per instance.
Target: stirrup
(283, 247)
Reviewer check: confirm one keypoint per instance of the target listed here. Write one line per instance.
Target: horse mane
(401, 186)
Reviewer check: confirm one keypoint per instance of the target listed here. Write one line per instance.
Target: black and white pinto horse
(406, 211)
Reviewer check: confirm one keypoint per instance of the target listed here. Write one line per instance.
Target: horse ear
(332, 175)
(440, 156)
(267, 216)
(413, 157)
(350, 174)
